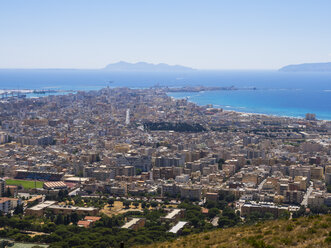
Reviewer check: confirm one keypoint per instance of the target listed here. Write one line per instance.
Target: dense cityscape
(121, 167)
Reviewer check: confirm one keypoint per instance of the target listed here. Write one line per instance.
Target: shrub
(206, 237)
(289, 228)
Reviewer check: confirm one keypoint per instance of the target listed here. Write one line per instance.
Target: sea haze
(278, 93)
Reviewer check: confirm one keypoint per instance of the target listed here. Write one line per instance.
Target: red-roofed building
(84, 223)
(204, 210)
(92, 218)
(88, 221)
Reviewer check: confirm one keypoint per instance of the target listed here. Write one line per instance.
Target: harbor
(23, 93)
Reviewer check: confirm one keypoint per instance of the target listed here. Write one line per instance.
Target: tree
(53, 238)
(74, 218)
(138, 171)
(300, 212)
(224, 221)
(186, 231)
(285, 215)
(221, 195)
(74, 241)
(228, 218)
(323, 209)
(126, 204)
(154, 204)
(136, 204)
(60, 195)
(31, 204)
(222, 204)
(213, 212)
(111, 201)
(59, 219)
(270, 216)
(19, 209)
(230, 198)
(221, 161)
(210, 204)
(228, 212)
(195, 221)
(8, 193)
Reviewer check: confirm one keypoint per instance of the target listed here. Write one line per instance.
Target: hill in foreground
(314, 231)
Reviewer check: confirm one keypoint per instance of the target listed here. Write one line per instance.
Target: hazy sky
(206, 34)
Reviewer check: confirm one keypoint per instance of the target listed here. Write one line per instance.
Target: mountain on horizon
(308, 67)
(146, 67)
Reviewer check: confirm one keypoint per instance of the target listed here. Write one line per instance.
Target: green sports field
(25, 184)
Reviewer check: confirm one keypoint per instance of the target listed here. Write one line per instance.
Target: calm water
(278, 93)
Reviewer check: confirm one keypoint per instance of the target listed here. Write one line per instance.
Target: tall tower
(127, 118)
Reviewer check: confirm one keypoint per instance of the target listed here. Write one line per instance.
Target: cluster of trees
(32, 203)
(105, 233)
(178, 127)
(98, 202)
(313, 210)
(229, 218)
(62, 230)
(323, 209)
(24, 223)
(63, 219)
(260, 216)
(195, 218)
(19, 209)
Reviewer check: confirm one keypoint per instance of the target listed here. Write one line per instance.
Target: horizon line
(100, 69)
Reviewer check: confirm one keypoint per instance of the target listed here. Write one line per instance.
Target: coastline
(32, 93)
(249, 114)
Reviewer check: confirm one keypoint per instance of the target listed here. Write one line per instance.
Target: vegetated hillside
(313, 231)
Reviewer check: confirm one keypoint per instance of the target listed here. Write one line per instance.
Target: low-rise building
(178, 227)
(135, 224)
(174, 215)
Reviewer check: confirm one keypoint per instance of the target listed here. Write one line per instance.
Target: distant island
(146, 67)
(308, 67)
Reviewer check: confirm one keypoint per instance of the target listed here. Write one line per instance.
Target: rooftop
(178, 226)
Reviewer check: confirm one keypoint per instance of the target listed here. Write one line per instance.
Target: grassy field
(303, 232)
(25, 184)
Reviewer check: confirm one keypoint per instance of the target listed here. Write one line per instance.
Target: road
(305, 198)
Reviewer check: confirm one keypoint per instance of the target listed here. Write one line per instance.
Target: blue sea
(278, 93)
